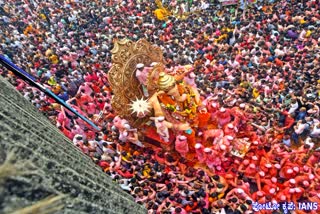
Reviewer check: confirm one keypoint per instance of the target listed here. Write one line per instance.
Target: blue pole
(33, 81)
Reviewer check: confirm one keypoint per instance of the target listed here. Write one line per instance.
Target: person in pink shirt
(215, 134)
(250, 171)
(20, 84)
(208, 103)
(66, 59)
(179, 210)
(181, 145)
(230, 130)
(212, 158)
(142, 73)
(226, 143)
(62, 119)
(162, 128)
(85, 88)
(76, 130)
(199, 148)
(90, 108)
(223, 116)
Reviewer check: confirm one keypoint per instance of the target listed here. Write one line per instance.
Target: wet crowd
(256, 67)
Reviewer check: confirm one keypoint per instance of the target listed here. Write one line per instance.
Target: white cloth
(293, 108)
(315, 132)
(300, 128)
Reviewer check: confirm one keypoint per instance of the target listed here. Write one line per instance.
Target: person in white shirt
(309, 141)
(294, 106)
(315, 132)
(233, 63)
(300, 127)
(298, 130)
(204, 5)
(125, 185)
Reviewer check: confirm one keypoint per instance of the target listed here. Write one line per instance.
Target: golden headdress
(166, 81)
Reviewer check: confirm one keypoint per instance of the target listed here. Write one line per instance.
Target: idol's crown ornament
(166, 82)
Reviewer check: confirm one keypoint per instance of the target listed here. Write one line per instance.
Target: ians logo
(307, 205)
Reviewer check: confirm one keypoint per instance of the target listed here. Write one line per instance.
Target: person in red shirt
(125, 173)
(209, 56)
(95, 87)
(278, 62)
(289, 121)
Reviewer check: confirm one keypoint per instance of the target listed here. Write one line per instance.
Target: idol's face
(173, 91)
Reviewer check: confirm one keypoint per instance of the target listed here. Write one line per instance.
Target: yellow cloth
(146, 171)
(161, 14)
(56, 89)
(302, 21)
(308, 33)
(255, 93)
(54, 59)
(205, 36)
(244, 84)
(126, 157)
(28, 29)
(226, 29)
(56, 106)
(222, 37)
(52, 81)
(220, 13)
(42, 16)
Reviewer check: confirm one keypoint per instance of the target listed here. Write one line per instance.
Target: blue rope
(33, 81)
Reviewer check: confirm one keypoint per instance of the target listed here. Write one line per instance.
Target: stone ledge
(61, 168)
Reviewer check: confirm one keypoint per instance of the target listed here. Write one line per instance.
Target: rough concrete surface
(57, 166)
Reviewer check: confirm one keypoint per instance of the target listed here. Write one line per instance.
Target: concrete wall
(60, 167)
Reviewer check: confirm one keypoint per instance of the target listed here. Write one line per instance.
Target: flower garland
(186, 109)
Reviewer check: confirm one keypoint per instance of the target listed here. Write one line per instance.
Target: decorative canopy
(126, 88)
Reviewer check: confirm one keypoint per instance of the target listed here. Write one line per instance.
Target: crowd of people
(260, 62)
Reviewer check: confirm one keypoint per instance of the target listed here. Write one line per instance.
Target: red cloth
(151, 132)
(288, 122)
(103, 164)
(125, 174)
(203, 119)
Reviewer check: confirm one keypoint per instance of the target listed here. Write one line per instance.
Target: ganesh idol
(177, 102)
(163, 106)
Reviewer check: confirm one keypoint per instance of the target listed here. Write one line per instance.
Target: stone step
(60, 167)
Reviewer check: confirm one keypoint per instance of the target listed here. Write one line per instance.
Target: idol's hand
(160, 93)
